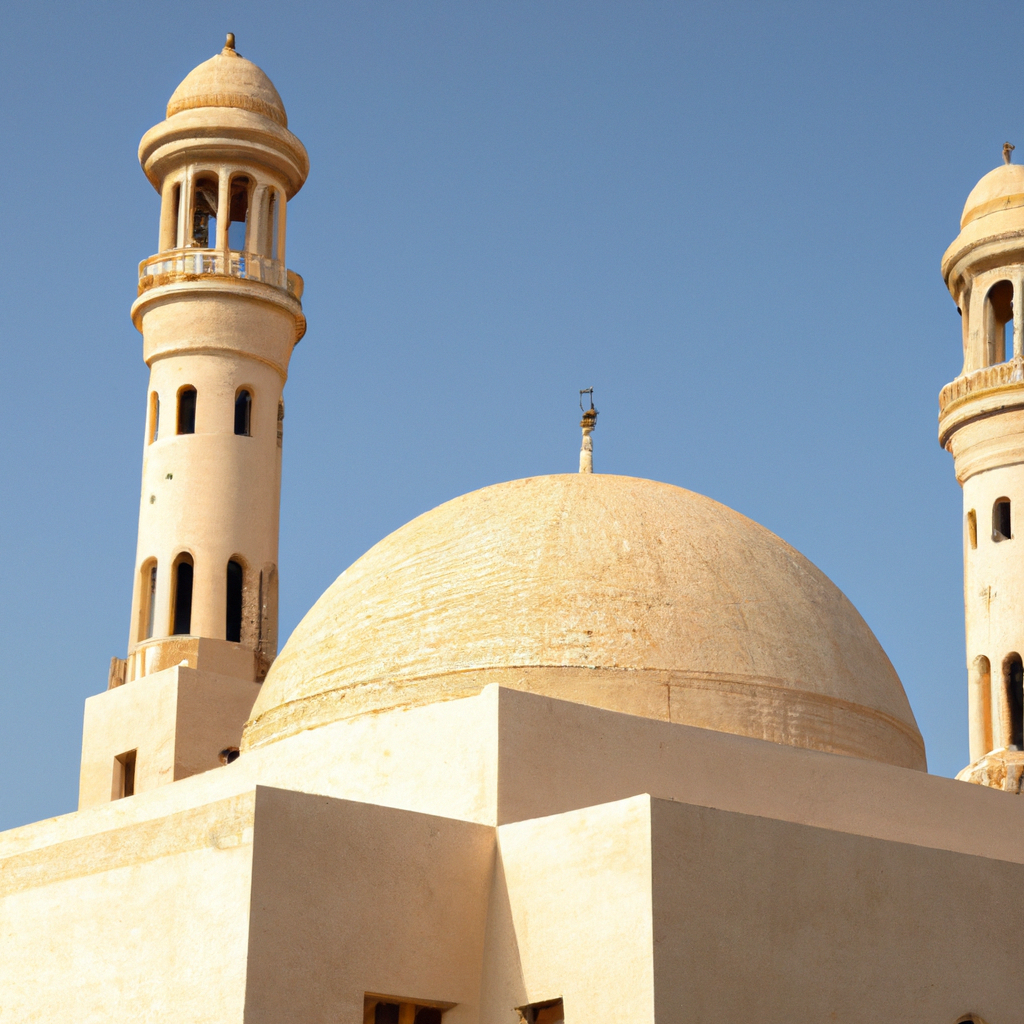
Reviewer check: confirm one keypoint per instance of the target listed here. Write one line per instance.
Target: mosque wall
(770, 921)
(556, 756)
(350, 899)
(436, 759)
(176, 722)
(144, 921)
(574, 921)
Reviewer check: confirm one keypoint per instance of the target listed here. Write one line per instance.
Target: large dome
(610, 591)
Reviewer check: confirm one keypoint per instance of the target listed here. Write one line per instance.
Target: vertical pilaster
(223, 207)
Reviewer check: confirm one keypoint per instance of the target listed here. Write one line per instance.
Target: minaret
(219, 314)
(981, 423)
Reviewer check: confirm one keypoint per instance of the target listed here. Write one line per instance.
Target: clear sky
(727, 218)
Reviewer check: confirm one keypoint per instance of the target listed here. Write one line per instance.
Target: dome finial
(1008, 148)
(230, 44)
(588, 423)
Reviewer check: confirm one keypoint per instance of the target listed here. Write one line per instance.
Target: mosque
(572, 748)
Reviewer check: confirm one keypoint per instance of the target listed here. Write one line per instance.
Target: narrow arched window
(154, 417)
(147, 599)
(236, 578)
(999, 323)
(972, 528)
(187, 411)
(183, 576)
(1001, 524)
(280, 423)
(243, 412)
(1013, 701)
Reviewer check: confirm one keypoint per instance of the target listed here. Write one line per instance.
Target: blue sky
(727, 218)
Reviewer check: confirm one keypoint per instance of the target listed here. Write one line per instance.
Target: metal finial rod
(588, 423)
(1008, 148)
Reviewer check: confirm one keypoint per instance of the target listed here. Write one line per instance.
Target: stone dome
(610, 591)
(228, 80)
(1001, 189)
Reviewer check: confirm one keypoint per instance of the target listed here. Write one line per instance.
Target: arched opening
(238, 211)
(147, 599)
(999, 323)
(187, 410)
(182, 605)
(204, 211)
(1001, 522)
(981, 706)
(280, 423)
(1013, 701)
(972, 528)
(154, 416)
(243, 412)
(236, 580)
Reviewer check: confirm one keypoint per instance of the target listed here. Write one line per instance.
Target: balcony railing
(981, 380)
(195, 264)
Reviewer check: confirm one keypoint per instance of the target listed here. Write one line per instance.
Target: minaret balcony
(986, 379)
(177, 265)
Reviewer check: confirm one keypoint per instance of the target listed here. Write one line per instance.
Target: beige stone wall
(575, 919)
(769, 921)
(146, 921)
(351, 898)
(354, 889)
(178, 721)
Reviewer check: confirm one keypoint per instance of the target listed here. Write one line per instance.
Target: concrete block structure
(569, 749)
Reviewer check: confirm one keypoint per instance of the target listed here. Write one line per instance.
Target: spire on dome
(588, 423)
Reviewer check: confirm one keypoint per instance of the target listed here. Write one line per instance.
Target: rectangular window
(124, 775)
(393, 1010)
(550, 1012)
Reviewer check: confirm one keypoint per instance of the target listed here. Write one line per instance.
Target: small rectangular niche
(381, 1009)
(124, 775)
(972, 528)
(550, 1012)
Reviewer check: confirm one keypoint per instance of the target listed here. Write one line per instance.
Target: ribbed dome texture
(620, 593)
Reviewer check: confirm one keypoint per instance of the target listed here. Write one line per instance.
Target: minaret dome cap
(229, 80)
(1000, 189)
